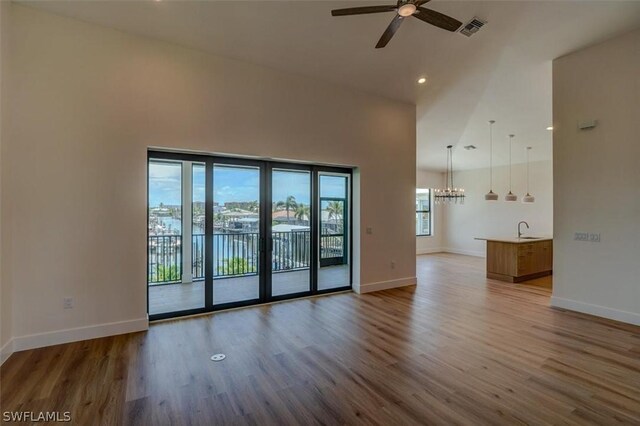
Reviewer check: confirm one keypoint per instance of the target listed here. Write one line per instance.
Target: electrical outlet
(393, 264)
(369, 230)
(67, 303)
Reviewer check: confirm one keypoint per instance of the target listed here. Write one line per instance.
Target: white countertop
(515, 240)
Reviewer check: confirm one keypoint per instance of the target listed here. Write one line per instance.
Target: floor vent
(472, 27)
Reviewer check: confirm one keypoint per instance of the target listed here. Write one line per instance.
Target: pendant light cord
(447, 180)
(510, 143)
(528, 148)
(451, 162)
(491, 155)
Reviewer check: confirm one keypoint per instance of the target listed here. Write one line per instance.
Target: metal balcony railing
(235, 254)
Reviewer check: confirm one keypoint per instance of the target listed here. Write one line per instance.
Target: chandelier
(450, 194)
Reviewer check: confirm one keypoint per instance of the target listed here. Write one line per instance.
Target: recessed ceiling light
(550, 128)
(422, 80)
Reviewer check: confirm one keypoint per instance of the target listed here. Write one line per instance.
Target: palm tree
(335, 209)
(302, 212)
(289, 204)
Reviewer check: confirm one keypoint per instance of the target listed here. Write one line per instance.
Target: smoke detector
(472, 27)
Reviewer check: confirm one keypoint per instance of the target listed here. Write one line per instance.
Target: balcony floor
(180, 297)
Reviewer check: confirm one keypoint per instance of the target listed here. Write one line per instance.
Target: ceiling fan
(403, 9)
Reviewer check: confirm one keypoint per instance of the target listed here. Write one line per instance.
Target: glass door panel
(236, 233)
(171, 285)
(334, 270)
(290, 249)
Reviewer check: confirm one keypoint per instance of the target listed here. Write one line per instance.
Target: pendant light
(450, 193)
(491, 196)
(528, 198)
(510, 196)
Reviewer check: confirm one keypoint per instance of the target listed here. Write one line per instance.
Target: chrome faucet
(519, 231)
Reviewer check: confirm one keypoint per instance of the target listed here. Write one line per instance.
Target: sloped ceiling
(501, 73)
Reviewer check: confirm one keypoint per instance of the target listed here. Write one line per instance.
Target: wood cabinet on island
(519, 259)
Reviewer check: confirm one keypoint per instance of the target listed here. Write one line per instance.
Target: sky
(235, 184)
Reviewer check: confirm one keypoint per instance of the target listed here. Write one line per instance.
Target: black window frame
(266, 165)
(425, 211)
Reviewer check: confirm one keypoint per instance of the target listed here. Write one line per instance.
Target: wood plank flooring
(455, 349)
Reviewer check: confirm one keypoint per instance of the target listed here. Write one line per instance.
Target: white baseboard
(385, 285)
(599, 311)
(40, 340)
(429, 251)
(6, 351)
(465, 252)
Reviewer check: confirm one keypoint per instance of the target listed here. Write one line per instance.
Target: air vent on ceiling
(473, 27)
(470, 147)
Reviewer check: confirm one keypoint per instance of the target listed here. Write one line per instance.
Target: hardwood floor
(457, 348)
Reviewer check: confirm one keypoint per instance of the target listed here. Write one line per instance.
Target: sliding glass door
(237, 233)
(227, 232)
(175, 243)
(290, 237)
(334, 259)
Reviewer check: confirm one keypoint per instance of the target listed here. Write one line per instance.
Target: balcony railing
(291, 250)
(332, 246)
(165, 259)
(235, 254)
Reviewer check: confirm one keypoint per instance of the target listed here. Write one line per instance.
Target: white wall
(433, 243)
(597, 177)
(480, 218)
(87, 101)
(5, 289)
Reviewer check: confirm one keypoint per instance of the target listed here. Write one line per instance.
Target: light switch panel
(586, 236)
(581, 236)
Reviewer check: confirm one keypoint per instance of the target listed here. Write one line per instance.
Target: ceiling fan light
(528, 198)
(407, 9)
(511, 197)
(491, 196)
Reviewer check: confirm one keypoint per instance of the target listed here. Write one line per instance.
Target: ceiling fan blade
(421, 2)
(363, 10)
(390, 31)
(438, 19)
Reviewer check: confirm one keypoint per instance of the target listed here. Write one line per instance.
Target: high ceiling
(503, 72)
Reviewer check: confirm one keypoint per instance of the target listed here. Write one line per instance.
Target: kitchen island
(519, 259)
